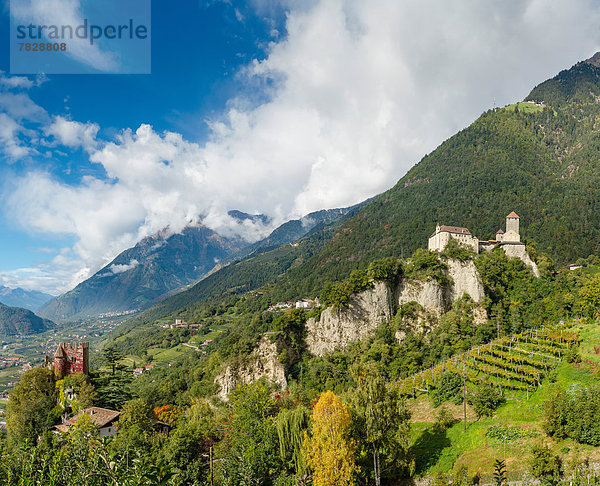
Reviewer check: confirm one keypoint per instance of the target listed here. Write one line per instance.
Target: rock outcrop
(263, 362)
(428, 294)
(335, 330)
(519, 251)
(368, 309)
(465, 280)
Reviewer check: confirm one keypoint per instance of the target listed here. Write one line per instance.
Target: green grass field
(525, 107)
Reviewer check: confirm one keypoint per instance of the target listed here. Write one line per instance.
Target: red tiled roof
(100, 417)
(513, 215)
(499, 232)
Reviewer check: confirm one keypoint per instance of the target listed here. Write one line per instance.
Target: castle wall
(439, 241)
(511, 235)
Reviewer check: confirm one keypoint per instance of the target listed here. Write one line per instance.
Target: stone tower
(512, 228)
(71, 358)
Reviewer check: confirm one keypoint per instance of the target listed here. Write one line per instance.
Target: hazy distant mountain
(294, 229)
(28, 299)
(141, 275)
(15, 320)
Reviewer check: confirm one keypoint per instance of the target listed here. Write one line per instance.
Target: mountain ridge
(140, 275)
(16, 320)
(27, 299)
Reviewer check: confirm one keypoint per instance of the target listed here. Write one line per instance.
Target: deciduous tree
(32, 405)
(328, 451)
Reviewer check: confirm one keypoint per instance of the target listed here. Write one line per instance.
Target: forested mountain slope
(539, 160)
(15, 320)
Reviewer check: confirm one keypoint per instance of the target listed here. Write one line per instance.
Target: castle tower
(71, 358)
(512, 228)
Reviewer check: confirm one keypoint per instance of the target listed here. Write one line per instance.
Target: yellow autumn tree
(328, 451)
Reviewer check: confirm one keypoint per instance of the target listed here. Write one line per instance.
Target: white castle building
(443, 234)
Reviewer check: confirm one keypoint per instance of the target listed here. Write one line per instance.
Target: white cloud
(9, 138)
(15, 81)
(74, 134)
(362, 90)
(116, 269)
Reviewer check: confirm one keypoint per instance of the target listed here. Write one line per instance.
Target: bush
(486, 400)
(337, 295)
(545, 466)
(444, 419)
(574, 414)
(572, 355)
(504, 432)
(457, 251)
(427, 264)
(388, 270)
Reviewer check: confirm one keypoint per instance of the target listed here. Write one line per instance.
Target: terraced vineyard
(518, 362)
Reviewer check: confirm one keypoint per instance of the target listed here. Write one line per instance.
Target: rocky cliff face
(519, 251)
(465, 280)
(370, 308)
(263, 362)
(428, 295)
(335, 330)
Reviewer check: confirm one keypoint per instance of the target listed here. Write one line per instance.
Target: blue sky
(267, 106)
(197, 50)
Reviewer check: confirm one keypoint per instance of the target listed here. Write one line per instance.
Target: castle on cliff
(444, 234)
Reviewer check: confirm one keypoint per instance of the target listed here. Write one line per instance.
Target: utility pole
(211, 465)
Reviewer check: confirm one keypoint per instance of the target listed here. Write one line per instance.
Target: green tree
(112, 356)
(385, 417)
(449, 387)
(32, 406)
(555, 419)
(252, 455)
(486, 400)
(291, 425)
(291, 336)
(545, 466)
(388, 270)
(83, 391)
(590, 297)
(187, 449)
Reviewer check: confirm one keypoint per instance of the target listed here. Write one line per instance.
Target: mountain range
(538, 157)
(164, 263)
(28, 299)
(15, 320)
